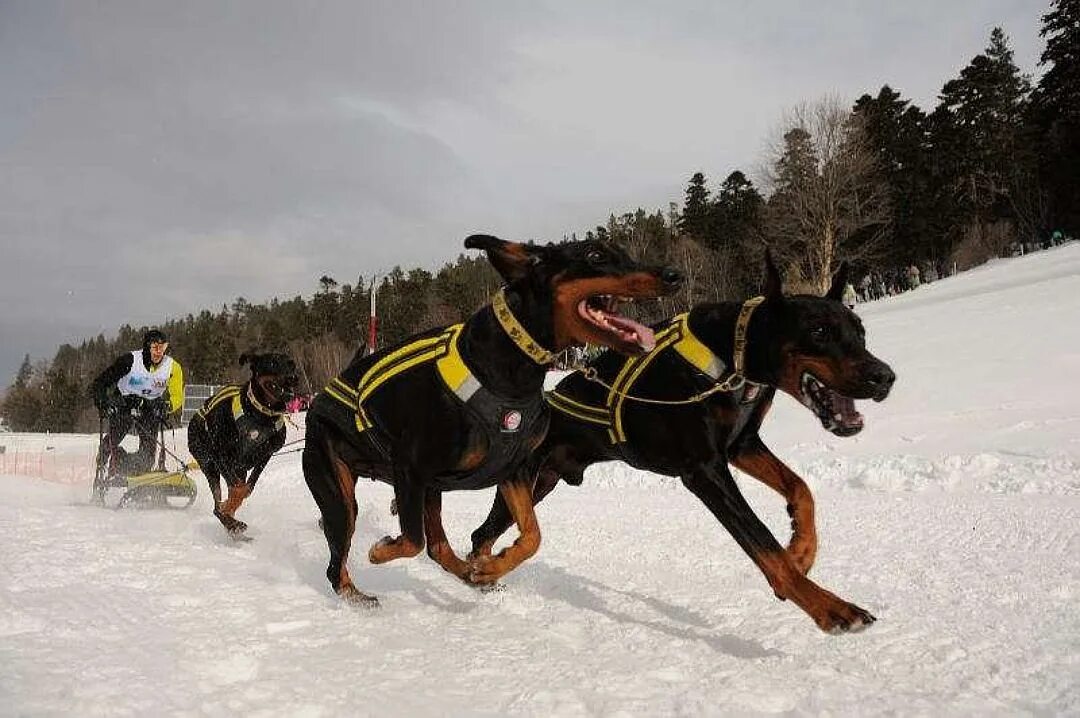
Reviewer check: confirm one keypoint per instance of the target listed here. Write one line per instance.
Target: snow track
(954, 518)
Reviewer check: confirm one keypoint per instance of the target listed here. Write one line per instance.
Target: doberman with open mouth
(696, 403)
(462, 407)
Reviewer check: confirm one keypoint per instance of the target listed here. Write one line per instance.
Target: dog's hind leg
(409, 497)
(334, 488)
(758, 461)
(517, 493)
(499, 519)
(719, 492)
(438, 546)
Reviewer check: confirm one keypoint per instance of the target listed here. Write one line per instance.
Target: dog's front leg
(438, 546)
(499, 518)
(333, 486)
(517, 493)
(719, 492)
(758, 461)
(409, 497)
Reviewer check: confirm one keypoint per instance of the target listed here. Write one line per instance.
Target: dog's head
(819, 346)
(274, 377)
(581, 284)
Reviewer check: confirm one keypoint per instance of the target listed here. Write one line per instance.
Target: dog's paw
(232, 525)
(483, 571)
(846, 618)
(353, 596)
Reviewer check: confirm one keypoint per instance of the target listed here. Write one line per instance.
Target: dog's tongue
(641, 333)
(849, 417)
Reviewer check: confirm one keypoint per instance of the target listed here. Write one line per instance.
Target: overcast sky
(157, 158)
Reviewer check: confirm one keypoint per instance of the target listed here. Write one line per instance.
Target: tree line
(881, 184)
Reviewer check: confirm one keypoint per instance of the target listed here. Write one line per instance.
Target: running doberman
(462, 407)
(695, 404)
(239, 428)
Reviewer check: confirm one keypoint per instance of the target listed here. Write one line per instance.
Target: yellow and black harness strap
(440, 348)
(231, 393)
(590, 414)
(677, 337)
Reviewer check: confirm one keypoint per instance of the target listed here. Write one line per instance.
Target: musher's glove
(157, 410)
(110, 408)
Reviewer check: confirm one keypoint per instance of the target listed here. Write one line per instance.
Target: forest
(992, 169)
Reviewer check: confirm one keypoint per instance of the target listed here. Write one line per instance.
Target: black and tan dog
(239, 428)
(462, 407)
(728, 360)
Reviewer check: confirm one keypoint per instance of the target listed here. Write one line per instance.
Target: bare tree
(829, 202)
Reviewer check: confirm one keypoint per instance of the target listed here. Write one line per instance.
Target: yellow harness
(231, 393)
(442, 349)
(678, 337)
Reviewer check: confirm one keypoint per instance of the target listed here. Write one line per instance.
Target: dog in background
(662, 413)
(239, 428)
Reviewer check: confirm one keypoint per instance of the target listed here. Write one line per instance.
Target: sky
(159, 158)
(953, 517)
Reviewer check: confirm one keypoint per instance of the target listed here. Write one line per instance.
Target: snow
(954, 517)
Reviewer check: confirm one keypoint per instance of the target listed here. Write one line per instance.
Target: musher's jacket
(134, 377)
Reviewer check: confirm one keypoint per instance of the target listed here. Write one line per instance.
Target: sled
(157, 488)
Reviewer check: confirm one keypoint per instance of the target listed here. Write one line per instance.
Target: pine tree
(896, 131)
(977, 135)
(695, 214)
(1056, 113)
(26, 370)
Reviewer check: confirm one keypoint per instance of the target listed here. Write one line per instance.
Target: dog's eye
(594, 256)
(819, 333)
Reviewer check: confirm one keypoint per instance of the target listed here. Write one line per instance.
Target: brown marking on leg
(760, 463)
(518, 496)
(438, 546)
(410, 505)
(484, 549)
(499, 518)
(714, 485)
(347, 484)
(237, 494)
(389, 548)
(830, 612)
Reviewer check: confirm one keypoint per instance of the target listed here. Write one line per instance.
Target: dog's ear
(246, 358)
(773, 288)
(510, 259)
(836, 291)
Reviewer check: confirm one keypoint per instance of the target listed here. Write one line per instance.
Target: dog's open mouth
(600, 311)
(835, 411)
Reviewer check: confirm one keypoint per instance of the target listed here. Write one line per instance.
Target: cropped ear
(773, 287)
(249, 357)
(244, 358)
(836, 291)
(510, 259)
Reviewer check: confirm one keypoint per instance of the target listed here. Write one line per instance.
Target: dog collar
(516, 332)
(258, 406)
(742, 324)
(694, 351)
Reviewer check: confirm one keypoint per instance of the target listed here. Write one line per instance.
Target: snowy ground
(954, 517)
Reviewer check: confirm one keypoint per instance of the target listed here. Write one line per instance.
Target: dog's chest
(254, 434)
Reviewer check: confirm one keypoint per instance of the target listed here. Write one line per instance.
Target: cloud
(159, 157)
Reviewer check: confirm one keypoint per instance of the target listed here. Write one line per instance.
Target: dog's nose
(671, 276)
(881, 378)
